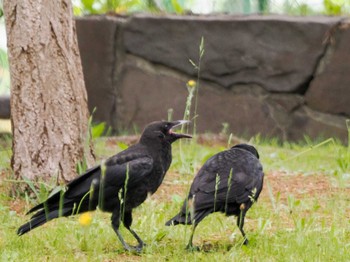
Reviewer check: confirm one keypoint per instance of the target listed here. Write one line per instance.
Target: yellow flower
(191, 83)
(85, 219)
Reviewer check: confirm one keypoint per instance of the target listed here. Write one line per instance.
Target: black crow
(229, 182)
(122, 183)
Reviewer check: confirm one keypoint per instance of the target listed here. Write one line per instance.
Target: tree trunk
(49, 110)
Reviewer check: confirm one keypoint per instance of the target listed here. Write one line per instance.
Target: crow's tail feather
(186, 218)
(75, 200)
(181, 218)
(41, 217)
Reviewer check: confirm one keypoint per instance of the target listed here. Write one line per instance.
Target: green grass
(303, 213)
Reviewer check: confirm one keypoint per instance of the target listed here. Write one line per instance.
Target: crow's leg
(190, 244)
(115, 224)
(127, 221)
(240, 224)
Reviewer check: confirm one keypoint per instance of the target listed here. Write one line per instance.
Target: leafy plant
(84, 7)
(334, 7)
(171, 6)
(97, 130)
(289, 7)
(1, 9)
(105, 6)
(297, 8)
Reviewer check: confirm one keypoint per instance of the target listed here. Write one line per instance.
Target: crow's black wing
(114, 173)
(131, 166)
(233, 175)
(114, 167)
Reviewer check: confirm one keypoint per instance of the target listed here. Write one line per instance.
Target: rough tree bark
(49, 109)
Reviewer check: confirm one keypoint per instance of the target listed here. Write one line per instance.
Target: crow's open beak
(176, 124)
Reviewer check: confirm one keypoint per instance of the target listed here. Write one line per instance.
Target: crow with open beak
(122, 183)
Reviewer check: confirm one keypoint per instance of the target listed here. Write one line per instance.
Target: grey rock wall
(278, 76)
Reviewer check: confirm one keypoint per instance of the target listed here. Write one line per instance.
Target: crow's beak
(176, 124)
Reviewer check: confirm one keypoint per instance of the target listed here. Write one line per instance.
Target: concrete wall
(274, 75)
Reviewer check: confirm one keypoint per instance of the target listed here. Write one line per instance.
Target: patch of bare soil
(299, 185)
(218, 140)
(285, 184)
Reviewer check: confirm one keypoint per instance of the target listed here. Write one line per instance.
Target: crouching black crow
(119, 185)
(229, 182)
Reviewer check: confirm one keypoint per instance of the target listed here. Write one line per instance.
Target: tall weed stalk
(198, 68)
(193, 90)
